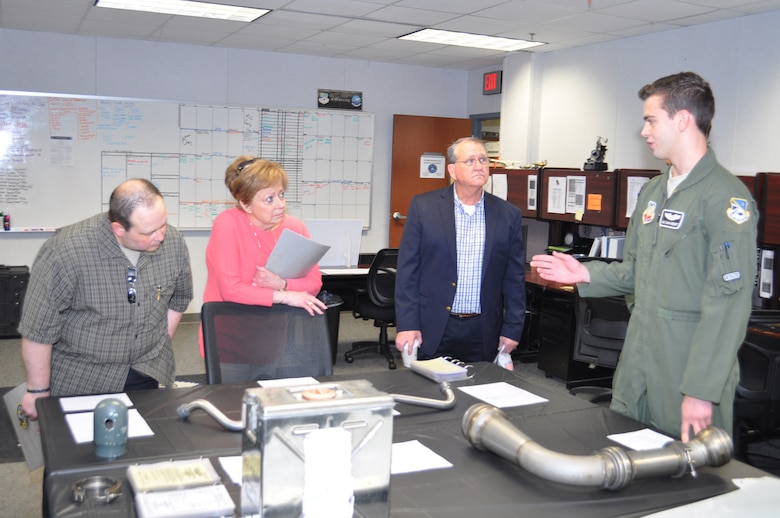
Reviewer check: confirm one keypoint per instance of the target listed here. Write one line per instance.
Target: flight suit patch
(672, 219)
(738, 211)
(649, 214)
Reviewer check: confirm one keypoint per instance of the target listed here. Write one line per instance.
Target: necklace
(254, 233)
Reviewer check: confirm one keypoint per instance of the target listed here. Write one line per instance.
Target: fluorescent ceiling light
(464, 39)
(187, 8)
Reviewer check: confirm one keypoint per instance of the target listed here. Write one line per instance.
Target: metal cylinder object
(110, 422)
(487, 428)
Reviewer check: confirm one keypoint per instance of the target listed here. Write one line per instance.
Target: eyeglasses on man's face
(483, 160)
(131, 276)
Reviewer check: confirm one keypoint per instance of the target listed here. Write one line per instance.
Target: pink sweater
(233, 255)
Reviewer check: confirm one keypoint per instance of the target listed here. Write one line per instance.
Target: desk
(341, 282)
(479, 484)
(553, 307)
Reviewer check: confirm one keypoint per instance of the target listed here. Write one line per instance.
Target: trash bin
(332, 316)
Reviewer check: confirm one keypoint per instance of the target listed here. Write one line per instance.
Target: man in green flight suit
(690, 261)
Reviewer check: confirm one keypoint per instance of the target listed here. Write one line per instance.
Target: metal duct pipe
(487, 428)
(185, 410)
(444, 404)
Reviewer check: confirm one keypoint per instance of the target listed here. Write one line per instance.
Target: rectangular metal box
(317, 451)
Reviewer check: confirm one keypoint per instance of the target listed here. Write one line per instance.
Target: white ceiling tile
(420, 17)
(656, 11)
(367, 29)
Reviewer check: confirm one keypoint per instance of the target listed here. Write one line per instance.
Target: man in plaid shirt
(105, 298)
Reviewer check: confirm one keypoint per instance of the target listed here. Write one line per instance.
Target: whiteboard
(60, 157)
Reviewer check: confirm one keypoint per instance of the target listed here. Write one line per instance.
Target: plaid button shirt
(77, 300)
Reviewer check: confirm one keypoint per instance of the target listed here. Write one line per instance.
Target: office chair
(757, 398)
(247, 343)
(377, 301)
(601, 325)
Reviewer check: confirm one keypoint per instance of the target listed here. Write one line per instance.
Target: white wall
(55, 63)
(553, 106)
(580, 94)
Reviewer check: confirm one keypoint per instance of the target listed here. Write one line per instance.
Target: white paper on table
(233, 466)
(82, 425)
(756, 497)
(411, 456)
(501, 394)
(644, 439)
(288, 382)
(84, 403)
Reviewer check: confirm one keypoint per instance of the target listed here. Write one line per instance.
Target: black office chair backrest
(246, 343)
(381, 277)
(759, 357)
(601, 325)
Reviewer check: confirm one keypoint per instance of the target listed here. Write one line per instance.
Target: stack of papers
(441, 369)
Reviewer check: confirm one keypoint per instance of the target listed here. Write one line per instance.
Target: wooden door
(412, 136)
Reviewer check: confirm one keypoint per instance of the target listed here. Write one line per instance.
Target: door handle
(398, 216)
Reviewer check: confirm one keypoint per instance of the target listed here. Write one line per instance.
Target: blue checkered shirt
(470, 248)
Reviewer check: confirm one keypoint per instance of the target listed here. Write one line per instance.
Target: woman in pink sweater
(243, 237)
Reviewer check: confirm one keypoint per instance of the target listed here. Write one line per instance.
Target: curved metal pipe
(444, 404)
(487, 428)
(186, 409)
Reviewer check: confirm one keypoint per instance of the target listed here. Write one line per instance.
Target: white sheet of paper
(294, 255)
(499, 186)
(754, 497)
(233, 467)
(556, 195)
(644, 439)
(575, 194)
(288, 382)
(531, 192)
(635, 184)
(407, 457)
(410, 456)
(82, 425)
(84, 403)
(502, 394)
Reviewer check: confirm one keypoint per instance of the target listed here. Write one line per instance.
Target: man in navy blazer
(460, 284)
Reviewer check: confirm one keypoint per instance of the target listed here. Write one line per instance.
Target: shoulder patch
(738, 211)
(649, 214)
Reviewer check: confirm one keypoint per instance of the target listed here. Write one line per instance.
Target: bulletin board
(60, 157)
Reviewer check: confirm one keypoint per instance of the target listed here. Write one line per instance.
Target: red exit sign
(491, 83)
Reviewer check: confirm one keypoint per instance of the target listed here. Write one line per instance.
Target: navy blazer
(427, 270)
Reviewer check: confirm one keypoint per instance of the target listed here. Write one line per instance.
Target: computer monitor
(343, 236)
